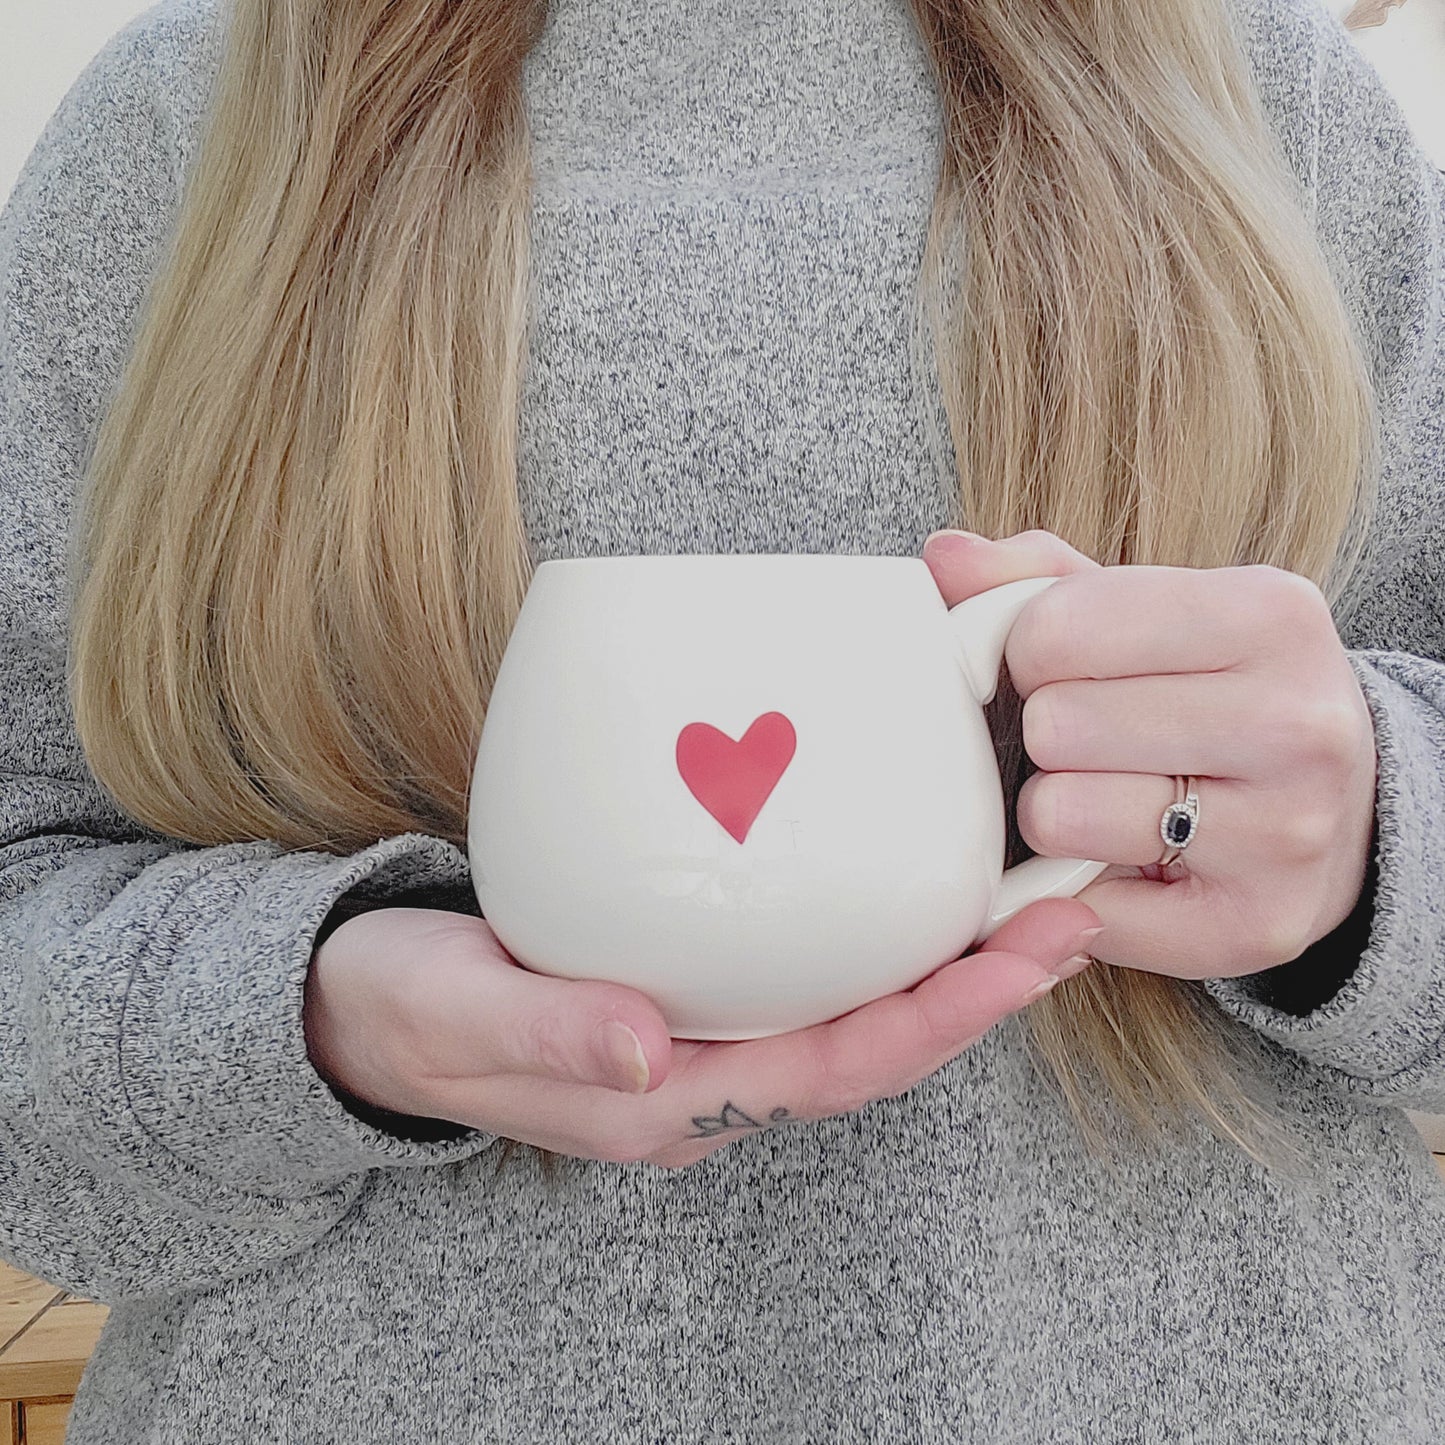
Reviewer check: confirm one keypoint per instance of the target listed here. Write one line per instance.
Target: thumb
(576, 1031)
(965, 564)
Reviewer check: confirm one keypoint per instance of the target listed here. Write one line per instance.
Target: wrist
(359, 1096)
(1322, 970)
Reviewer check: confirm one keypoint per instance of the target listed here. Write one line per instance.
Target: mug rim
(793, 558)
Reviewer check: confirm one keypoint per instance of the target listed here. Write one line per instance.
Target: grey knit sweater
(731, 196)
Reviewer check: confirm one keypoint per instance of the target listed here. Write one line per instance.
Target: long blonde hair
(303, 501)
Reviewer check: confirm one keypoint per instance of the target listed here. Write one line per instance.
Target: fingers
(1125, 622)
(884, 1048)
(1114, 817)
(1209, 724)
(718, 1092)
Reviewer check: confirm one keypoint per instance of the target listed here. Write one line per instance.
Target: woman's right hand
(423, 1012)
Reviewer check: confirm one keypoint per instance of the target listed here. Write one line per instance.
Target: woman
(348, 314)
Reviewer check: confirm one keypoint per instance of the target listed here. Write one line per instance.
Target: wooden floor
(46, 1336)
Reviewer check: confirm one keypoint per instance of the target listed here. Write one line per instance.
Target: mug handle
(981, 625)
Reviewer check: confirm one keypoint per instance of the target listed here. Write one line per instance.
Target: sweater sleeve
(1373, 1020)
(161, 1126)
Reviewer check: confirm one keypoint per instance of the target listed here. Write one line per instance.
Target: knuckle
(1047, 816)
(1310, 734)
(1327, 732)
(1048, 545)
(1043, 728)
(1298, 596)
(950, 1013)
(1256, 579)
(948, 1027)
(899, 1080)
(548, 1040)
(1035, 812)
(1040, 639)
(839, 1088)
(1295, 604)
(944, 1020)
(1274, 722)
(1305, 833)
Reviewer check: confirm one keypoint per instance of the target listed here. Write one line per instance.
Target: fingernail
(952, 534)
(1041, 987)
(621, 1050)
(1077, 964)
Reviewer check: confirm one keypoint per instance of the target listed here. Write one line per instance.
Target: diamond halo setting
(1179, 823)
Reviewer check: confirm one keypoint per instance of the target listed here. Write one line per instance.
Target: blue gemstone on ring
(1179, 828)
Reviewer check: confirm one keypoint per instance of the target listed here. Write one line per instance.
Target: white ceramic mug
(759, 789)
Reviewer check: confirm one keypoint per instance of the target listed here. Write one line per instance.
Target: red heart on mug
(733, 780)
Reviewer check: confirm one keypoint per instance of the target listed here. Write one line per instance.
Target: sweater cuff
(212, 1054)
(1388, 1010)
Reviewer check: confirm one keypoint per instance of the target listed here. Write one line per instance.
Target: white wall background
(44, 44)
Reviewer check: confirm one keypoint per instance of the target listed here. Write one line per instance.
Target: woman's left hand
(1235, 676)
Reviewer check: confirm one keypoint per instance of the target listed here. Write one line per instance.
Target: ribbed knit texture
(730, 208)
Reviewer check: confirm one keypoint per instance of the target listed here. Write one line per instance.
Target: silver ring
(1179, 824)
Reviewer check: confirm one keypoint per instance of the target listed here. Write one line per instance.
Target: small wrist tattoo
(710, 1126)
